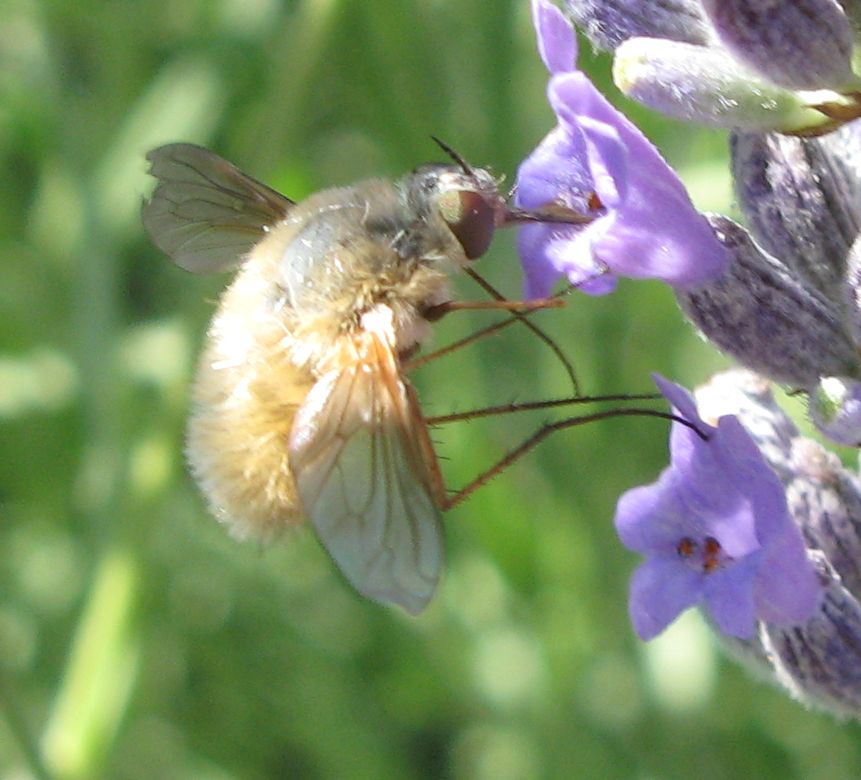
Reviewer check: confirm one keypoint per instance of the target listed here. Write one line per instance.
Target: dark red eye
(471, 218)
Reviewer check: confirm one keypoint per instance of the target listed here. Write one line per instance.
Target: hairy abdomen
(245, 397)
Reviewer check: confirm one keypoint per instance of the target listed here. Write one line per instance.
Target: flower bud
(802, 200)
(819, 662)
(852, 9)
(606, 23)
(707, 85)
(772, 323)
(825, 503)
(852, 289)
(797, 44)
(835, 409)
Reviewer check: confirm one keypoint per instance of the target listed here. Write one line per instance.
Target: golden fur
(266, 350)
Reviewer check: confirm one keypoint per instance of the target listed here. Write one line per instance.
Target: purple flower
(716, 532)
(596, 162)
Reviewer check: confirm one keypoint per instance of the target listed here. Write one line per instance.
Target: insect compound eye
(470, 217)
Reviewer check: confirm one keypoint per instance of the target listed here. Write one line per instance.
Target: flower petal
(788, 590)
(656, 232)
(532, 243)
(728, 596)
(716, 522)
(649, 518)
(557, 171)
(557, 43)
(660, 590)
(682, 401)
(547, 252)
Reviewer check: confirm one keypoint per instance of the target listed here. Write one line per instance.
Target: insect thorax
(343, 252)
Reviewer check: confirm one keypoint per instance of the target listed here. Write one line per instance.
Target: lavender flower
(754, 523)
(818, 660)
(756, 65)
(716, 531)
(801, 199)
(595, 161)
(788, 304)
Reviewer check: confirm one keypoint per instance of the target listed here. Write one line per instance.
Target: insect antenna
(465, 166)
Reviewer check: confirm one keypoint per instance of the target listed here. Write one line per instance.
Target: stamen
(710, 557)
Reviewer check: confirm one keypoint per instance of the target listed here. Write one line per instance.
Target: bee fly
(301, 406)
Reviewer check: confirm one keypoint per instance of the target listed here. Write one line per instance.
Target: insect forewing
(366, 485)
(204, 212)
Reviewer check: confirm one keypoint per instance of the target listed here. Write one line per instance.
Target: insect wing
(365, 483)
(205, 213)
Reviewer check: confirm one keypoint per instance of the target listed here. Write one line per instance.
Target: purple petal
(541, 275)
(602, 284)
(716, 495)
(557, 43)
(571, 96)
(682, 401)
(648, 518)
(657, 233)
(719, 513)
(556, 172)
(788, 591)
(660, 590)
(568, 252)
(739, 456)
(728, 596)
(546, 252)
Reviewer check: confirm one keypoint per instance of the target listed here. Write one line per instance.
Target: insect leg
(527, 406)
(473, 337)
(557, 350)
(439, 311)
(495, 328)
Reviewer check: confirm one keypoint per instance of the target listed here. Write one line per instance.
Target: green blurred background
(137, 640)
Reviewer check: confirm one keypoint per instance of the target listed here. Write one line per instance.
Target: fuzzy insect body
(301, 408)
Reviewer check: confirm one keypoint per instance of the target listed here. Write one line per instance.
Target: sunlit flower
(753, 65)
(596, 162)
(716, 532)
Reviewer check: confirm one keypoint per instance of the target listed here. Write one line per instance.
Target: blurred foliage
(136, 639)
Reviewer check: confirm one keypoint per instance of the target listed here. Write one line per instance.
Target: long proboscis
(548, 429)
(528, 406)
(552, 213)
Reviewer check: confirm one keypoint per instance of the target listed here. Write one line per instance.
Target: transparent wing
(204, 212)
(359, 454)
